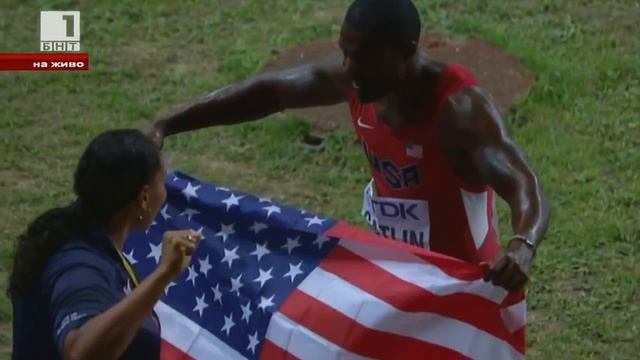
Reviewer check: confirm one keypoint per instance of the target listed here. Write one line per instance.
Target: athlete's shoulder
(454, 78)
(455, 71)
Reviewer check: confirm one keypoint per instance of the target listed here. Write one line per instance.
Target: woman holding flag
(74, 294)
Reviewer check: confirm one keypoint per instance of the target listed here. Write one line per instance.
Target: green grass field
(579, 127)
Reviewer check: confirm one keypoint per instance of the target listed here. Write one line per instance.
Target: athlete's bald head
(395, 22)
(379, 39)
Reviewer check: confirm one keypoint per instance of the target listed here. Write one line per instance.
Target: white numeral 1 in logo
(60, 31)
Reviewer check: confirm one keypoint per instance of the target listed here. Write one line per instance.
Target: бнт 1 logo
(60, 31)
(60, 38)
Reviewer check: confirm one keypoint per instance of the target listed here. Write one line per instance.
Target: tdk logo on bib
(398, 219)
(397, 210)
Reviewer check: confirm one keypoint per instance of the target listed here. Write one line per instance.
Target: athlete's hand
(511, 268)
(155, 132)
(177, 248)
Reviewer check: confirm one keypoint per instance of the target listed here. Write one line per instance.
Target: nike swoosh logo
(363, 125)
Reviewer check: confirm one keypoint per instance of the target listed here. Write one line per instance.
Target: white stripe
(494, 223)
(374, 313)
(415, 270)
(515, 316)
(190, 337)
(303, 343)
(475, 205)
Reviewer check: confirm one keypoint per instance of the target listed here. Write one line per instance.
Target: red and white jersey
(415, 196)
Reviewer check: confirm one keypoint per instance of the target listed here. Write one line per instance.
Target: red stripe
(170, 352)
(408, 297)
(451, 266)
(513, 298)
(521, 336)
(490, 247)
(272, 351)
(356, 338)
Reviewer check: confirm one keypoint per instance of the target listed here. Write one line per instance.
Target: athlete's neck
(118, 230)
(405, 102)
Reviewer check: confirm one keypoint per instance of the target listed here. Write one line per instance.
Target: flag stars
(232, 200)
(155, 252)
(217, 294)
(130, 257)
(314, 221)
(230, 256)
(166, 290)
(226, 231)
(236, 284)
(192, 275)
(246, 312)
(228, 323)
(201, 233)
(191, 191)
(253, 342)
(257, 227)
(292, 244)
(165, 213)
(146, 232)
(263, 277)
(261, 250)
(189, 213)
(205, 266)
(266, 302)
(271, 209)
(294, 270)
(321, 240)
(236, 236)
(200, 305)
(127, 289)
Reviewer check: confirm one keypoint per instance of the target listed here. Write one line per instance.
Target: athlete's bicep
(478, 131)
(310, 85)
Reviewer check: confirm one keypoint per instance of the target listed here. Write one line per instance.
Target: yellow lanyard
(134, 278)
(128, 268)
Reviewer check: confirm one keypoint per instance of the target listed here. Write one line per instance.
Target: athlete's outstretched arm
(308, 85)
(478, 132)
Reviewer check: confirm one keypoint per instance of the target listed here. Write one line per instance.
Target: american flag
(277, 282)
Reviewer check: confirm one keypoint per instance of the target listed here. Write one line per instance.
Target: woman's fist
(177, 248)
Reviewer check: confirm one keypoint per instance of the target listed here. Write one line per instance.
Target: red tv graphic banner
(44, 62)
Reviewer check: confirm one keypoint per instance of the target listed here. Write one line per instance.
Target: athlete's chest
(402, 157)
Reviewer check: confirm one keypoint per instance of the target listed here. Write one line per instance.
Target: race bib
(398, 219)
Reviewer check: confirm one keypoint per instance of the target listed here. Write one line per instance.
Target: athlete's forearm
(530, 210)
(247, 101)
(503, 167)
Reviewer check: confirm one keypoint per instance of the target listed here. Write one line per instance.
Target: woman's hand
(108, 334)
(177, 248)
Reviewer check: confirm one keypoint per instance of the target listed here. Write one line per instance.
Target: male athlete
(437, 146)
